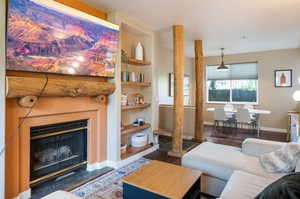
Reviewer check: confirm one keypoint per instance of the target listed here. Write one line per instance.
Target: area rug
(108, 186)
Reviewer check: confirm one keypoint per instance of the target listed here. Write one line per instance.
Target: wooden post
(178, 57)
(199, 73)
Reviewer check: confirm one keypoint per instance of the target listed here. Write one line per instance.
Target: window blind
(240, 71)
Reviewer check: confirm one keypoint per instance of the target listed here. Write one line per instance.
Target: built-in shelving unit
(134, 78)
(134, 129)
(130, 37)
(137, 62)
(136, 106)
(137, 84)
(134, 150)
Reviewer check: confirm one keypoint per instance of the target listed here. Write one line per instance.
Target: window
(239, 84)
(186, 88)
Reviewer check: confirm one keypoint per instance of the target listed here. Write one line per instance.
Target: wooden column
(199, 74)
(178, 67)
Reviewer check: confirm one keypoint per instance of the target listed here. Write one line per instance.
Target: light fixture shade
(222, 66)
(296, 96)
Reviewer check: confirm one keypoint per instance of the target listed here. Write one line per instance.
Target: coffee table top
(165, 179)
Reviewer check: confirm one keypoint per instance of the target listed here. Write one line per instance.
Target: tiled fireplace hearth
(29, 153)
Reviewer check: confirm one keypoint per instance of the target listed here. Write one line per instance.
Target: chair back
(248, 106)
(219, 114)
(243, 116)
(228, 107)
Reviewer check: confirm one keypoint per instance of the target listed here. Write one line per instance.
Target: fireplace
(57, 149)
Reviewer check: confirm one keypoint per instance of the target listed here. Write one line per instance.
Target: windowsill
(168, 105)
(236, 103)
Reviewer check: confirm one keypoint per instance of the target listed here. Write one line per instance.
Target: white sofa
(61, 195)
(232, 172)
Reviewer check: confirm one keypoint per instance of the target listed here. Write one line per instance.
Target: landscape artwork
(46, 36)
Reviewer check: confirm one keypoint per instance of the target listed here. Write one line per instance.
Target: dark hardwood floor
(235, 137)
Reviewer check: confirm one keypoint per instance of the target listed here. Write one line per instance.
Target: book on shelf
(132, 77)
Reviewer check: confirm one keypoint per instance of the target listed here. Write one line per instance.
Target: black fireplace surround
(57, 149)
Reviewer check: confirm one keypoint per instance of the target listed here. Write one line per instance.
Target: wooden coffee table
(160, 180)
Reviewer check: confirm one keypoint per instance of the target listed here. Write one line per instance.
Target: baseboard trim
(277, 130)
(121, 163)
(98, 165)
(188, 137)
(208, 123)
(24, 195)
(263, 128)
(133, 158)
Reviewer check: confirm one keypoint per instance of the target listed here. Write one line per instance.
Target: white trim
(171, 105)
(277, 130)
(133, 158)
(92, 167)
(236, 103)
(2, 95)
(208, 123)
(24, 195)
(188, 137)
(118, 164)
(74, 12)
(98, 165)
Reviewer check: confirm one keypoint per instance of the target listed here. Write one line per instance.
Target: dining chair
(228, 106)
(220, 116)
(243, 117)
(248, 106)
(229, 115)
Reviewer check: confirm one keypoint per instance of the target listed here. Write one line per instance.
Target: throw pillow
(287, 187)
(283, 160)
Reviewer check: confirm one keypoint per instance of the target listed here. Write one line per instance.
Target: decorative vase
(139, 52)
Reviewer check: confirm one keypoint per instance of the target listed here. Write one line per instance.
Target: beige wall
(277, 100)
(166, 119)
(165, 66)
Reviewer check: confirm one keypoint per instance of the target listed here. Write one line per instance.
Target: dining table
(256, 112)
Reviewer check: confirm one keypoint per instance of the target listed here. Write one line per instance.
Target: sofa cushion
(286, 187)
(244, 185)
(220, 161)
(257, 147)
(282, 160)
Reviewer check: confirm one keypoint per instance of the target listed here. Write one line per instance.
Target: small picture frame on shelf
(283, 78)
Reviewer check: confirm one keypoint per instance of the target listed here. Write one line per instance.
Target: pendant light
(222, 66)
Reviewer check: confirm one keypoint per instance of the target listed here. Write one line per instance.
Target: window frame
(231, 102)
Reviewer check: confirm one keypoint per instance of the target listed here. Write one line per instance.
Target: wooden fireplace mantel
(18, 87)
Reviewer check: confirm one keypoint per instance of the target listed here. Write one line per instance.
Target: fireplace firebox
(57, 149)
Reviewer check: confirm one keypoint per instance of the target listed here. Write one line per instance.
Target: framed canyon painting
(46, 36)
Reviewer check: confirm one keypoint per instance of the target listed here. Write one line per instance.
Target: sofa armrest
(257, 147)
(61, 195)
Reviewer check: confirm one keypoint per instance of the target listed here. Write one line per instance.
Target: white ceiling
(237, 25)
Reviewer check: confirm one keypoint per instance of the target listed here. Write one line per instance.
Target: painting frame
(283, 78)
(79, 44)
(187, 88)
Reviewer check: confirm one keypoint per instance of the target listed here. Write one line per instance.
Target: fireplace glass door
(57, 148)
